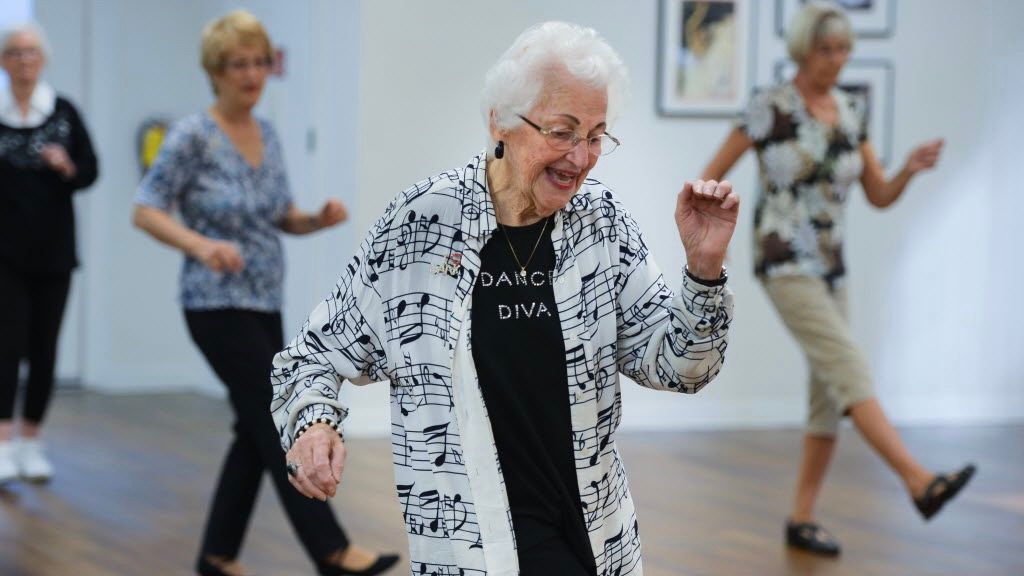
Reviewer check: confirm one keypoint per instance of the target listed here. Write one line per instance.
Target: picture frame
(868, 18)
(874, 79)
(705, 57)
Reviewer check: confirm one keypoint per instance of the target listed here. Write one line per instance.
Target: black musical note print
(399, 313)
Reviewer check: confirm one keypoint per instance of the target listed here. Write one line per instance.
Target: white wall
(391, 87)
(924, 274)
(1003, 360)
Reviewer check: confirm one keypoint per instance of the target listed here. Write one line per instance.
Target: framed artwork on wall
(869, 18)
(704, 57)
(872, 80)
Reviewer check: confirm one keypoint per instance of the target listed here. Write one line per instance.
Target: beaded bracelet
(720, 281)
(320, 420)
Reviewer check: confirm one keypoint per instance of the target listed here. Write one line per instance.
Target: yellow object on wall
(150, 136)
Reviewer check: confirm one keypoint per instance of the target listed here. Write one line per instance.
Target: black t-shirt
(520, 360)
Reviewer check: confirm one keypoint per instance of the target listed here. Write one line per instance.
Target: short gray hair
(22, 27)
(515, 82)
(817, 20)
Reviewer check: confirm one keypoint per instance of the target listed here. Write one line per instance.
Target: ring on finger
(293, 468)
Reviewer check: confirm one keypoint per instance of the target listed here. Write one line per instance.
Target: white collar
(40, 107)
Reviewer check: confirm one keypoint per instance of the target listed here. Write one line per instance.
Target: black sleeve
(81, 153)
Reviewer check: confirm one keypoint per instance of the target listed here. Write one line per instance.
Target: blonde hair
(234, 29)
(817, 20)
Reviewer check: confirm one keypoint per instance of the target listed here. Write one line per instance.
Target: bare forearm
(889, 191)
(299, 222)
(882, 192)
(736, 143)
(166, 229)
(716, 170)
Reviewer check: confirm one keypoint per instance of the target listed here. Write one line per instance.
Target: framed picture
(869, 18)
(704, 57)
(872, 80)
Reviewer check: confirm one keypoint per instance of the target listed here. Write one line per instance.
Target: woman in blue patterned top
(224, 172)
(812, 147)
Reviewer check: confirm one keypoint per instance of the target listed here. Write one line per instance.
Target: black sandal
(811, 537)
(207, 567)
(941, 490)
(383, 562)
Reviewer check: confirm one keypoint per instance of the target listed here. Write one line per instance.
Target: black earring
(499, 150)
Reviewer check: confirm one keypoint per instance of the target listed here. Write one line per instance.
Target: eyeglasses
(564, 139)
(23, 53)
(240, 66)
(828, 49)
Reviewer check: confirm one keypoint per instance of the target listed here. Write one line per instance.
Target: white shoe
(8, 463)
(34, 465)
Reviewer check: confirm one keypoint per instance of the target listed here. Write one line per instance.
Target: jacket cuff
(706, 304)
(317, 414)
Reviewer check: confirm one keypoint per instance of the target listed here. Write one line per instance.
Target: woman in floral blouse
(223, 170)
(812, 147)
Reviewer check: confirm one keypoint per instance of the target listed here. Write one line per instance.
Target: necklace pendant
(522, 272)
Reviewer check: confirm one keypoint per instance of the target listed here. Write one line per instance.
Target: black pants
(32, 311)
(552, 556)
(240, 346)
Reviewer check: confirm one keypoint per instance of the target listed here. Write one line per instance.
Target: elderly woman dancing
(812, 146)
(502, 299)
(45, 157)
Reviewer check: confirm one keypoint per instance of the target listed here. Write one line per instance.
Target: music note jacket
(399, 312)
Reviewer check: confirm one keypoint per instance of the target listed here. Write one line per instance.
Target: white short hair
(817, 20)
(29, 27)
(516, 81)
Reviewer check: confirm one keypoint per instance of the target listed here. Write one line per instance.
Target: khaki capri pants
(818, 319)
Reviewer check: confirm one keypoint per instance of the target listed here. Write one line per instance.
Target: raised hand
(706, 213)
(925, 156)
(316, 461)
(332, 213)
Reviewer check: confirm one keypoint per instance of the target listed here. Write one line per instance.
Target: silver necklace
(522, 267)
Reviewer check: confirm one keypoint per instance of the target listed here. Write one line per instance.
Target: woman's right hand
(56, 157)
(925, 156)
(706, 213)
(218, 255)
(318, 456)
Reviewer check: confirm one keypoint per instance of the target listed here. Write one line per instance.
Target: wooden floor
(135, 473)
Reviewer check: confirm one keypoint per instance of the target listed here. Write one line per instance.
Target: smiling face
(23, 58)
(240, 81)
(546, 176)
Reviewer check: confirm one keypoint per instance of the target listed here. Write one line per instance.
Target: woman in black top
(45, 156)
